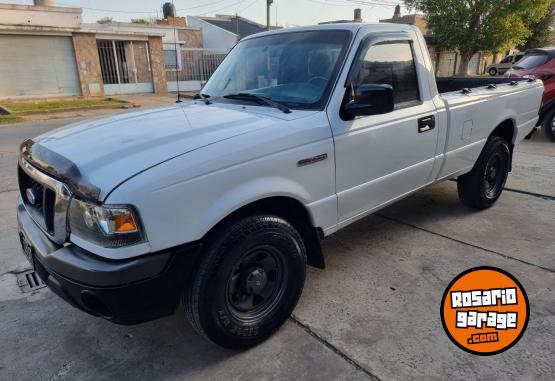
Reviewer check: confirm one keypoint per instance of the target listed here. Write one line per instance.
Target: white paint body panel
(186, 167)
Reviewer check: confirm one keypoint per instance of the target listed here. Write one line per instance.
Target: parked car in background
(539, 63)
(505, 64)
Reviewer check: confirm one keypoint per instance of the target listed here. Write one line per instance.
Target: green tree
(542, 31)
(141, 21)
(480, 25)
(104, 20)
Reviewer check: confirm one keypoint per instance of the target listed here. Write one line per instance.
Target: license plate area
(27, 249)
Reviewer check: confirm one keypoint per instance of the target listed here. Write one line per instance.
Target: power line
(248, 6)
(222, 8)
(149, 12)
(354, 2)
(106, 10)
(349, 3)
(201, 6)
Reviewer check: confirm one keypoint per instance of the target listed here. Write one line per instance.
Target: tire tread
(224, 239)
(468, 185)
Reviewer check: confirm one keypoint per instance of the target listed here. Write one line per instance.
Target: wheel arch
(508, 131)
(544, 110)
(288, 208)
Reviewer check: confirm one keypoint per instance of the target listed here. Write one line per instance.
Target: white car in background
(505, 64)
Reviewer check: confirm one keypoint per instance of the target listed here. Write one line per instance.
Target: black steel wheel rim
(256, 283)
(494, 175)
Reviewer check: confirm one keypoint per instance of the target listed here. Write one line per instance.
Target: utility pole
(268, 3)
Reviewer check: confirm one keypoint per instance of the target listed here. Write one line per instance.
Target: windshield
(296, 69)
(531, 61)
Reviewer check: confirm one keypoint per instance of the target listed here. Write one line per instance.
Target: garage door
(447, 63)
(37, 66)
(473, 64)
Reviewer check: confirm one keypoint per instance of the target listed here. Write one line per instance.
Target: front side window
(507, 59)
(518, 57)
(296, 69)
(390, 63)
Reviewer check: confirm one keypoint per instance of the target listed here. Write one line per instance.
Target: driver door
(380, 158)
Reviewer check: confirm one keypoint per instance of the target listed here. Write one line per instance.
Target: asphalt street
(373, 313)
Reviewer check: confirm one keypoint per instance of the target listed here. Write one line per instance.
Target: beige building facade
(47, 52)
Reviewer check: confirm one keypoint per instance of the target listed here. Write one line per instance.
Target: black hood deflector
(60, 168)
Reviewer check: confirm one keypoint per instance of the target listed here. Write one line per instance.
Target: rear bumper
(122, 291)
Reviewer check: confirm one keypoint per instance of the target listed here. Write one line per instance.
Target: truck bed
(473, 114)
(449, 84)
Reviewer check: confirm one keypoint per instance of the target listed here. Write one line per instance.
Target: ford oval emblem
(31, 196)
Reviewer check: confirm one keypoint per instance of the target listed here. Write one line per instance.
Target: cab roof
(352, 27)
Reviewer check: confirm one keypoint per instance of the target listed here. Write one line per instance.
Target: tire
(482, 186)
(248, 282)
(492, 72)
(548, 125)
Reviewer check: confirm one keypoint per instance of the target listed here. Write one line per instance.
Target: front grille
(45, 200)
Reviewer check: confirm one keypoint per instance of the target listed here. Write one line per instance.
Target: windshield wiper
(203, 97)
(260, 99)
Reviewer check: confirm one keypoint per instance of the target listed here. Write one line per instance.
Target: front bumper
(126, 291)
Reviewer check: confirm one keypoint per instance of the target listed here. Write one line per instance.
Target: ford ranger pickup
(219, 204)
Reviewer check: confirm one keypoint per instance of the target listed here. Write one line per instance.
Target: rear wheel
(248, 282)
(492, 72)
(548, 125)
(481, 187)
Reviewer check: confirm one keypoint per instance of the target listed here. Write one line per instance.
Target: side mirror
(366, 100)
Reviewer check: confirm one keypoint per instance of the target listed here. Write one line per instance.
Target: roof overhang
(56, 31)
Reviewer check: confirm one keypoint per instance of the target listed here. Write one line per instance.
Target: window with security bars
(113, 61)
(171, 60)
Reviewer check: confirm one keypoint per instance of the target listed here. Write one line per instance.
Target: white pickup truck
(218, 204)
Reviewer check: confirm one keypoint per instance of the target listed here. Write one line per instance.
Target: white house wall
(213, 37)
(59, 17)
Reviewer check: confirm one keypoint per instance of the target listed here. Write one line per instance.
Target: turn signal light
(124, 223)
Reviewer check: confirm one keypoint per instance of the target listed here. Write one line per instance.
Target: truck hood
(94, 157)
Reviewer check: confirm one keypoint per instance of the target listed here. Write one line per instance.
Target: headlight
(107, 226)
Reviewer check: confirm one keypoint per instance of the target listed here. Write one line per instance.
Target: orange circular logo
(485, 311)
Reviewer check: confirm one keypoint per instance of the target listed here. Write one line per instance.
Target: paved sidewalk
(155, 99)
(135, 100)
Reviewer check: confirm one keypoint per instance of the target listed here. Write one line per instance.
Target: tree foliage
(105, 20)
(142, 21)
(542, 31)
(480, 25)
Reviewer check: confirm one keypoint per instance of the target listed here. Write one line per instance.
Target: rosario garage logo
(485, 311)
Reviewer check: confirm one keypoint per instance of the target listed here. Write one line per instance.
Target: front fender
(176, 207)
(249, 192)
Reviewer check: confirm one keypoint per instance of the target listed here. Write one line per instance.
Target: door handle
(427, 123)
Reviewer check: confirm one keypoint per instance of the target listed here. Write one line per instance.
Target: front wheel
(481, 187)
(493, 72)
(548, 125)
(248, 282)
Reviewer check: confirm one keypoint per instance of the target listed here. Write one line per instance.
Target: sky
(285, 12)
